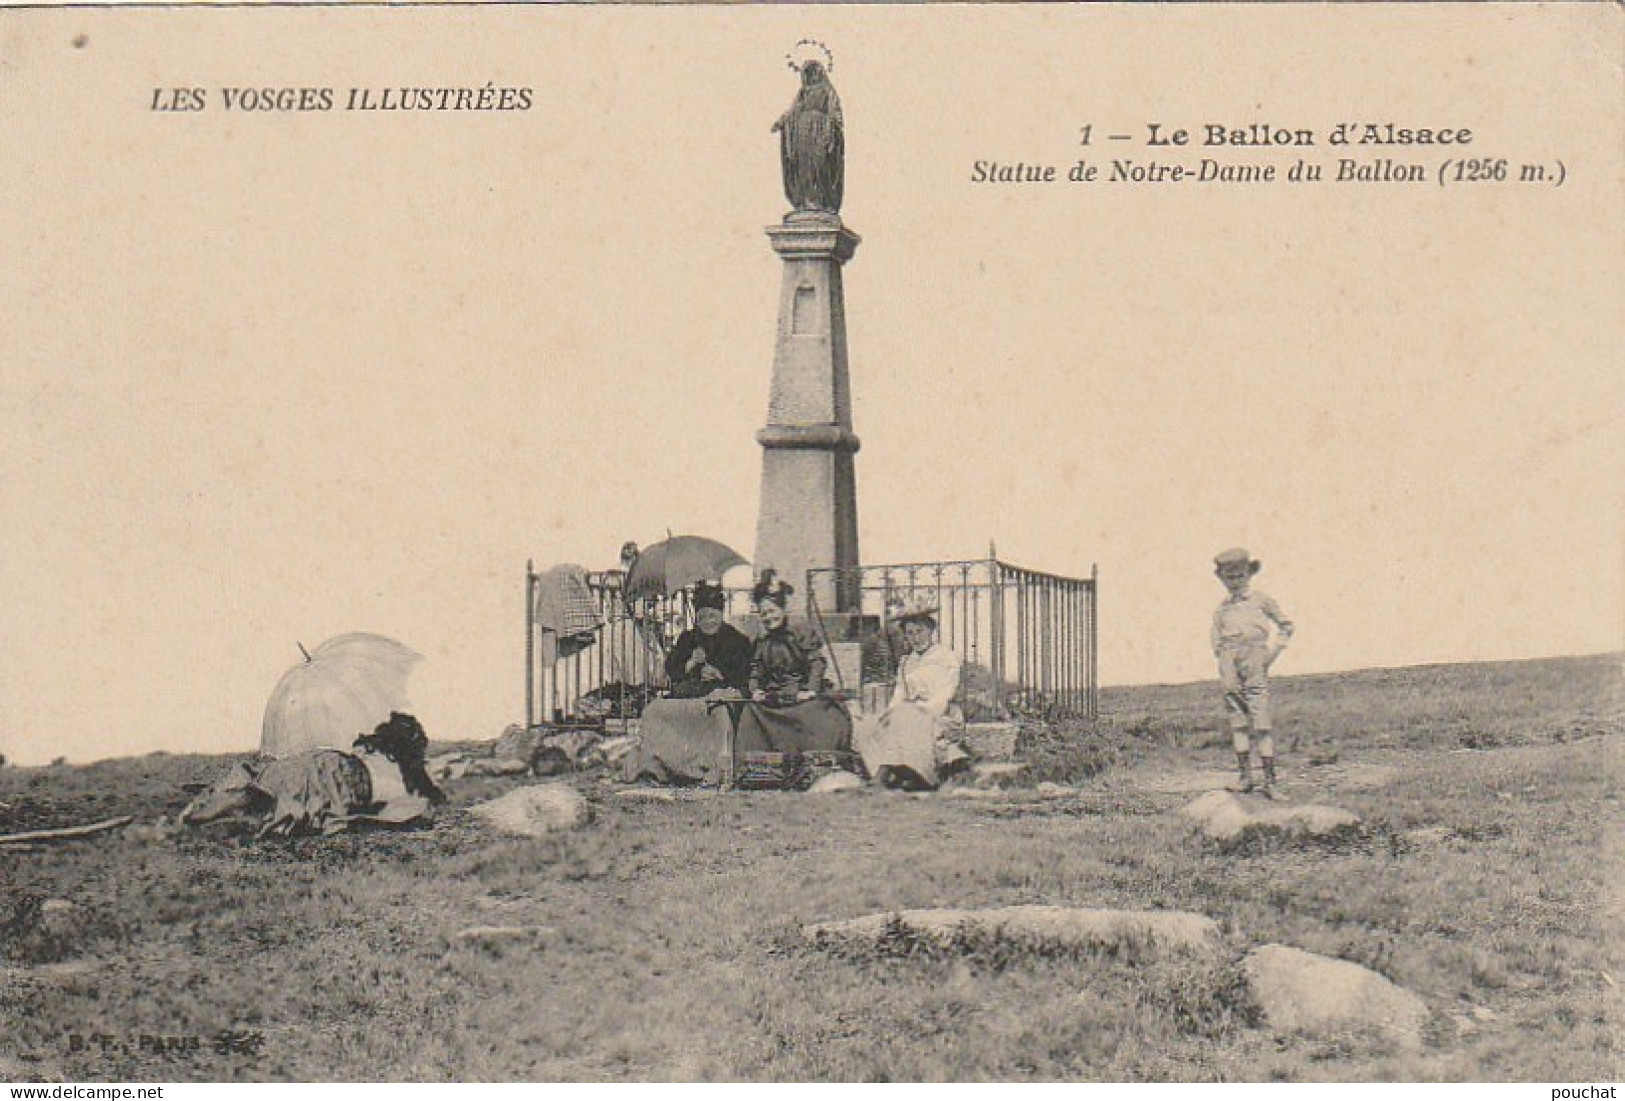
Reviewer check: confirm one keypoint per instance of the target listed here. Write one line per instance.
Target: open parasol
(346, 687)
(674, 563)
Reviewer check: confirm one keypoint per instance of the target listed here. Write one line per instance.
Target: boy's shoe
(1268, 790)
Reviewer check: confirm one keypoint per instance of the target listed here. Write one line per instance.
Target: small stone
(536, 810)
(835, 781)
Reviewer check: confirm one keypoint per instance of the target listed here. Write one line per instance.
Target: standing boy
(1242, 643)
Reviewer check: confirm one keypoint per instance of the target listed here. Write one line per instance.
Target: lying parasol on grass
(346, 687)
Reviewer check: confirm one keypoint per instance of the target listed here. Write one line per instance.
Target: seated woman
(784, 667)
(789, 712)
(688, 738)
(906, 747)
(711, 655)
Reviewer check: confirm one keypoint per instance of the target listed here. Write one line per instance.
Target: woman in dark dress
(784, 667)
(789, 712)
(710, 655)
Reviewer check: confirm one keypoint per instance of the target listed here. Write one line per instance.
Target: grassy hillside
(1487, 880)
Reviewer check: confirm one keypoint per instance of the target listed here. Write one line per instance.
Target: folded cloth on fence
(906, 736)
(683, 742)
(815, 724)
(565, 611)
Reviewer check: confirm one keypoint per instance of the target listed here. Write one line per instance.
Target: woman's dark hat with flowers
(771, 587)
(707, 595)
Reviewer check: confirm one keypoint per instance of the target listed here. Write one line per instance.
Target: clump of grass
(1199, 997)
(1265, 838)
(1066, 752)
(981, 948)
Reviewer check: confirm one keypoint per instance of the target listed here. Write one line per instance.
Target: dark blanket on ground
(813, 725)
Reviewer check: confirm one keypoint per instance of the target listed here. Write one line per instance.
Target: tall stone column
(809, 507)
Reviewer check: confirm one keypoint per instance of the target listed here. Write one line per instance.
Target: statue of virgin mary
(812, 144)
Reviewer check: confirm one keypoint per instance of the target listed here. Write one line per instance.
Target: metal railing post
(530, 643)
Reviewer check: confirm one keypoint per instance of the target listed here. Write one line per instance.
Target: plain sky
(277, 377)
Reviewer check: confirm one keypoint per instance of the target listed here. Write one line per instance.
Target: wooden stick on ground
(66, 833)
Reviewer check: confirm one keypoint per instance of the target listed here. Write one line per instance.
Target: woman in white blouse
(904, 747)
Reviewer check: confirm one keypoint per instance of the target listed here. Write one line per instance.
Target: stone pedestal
(809, 506)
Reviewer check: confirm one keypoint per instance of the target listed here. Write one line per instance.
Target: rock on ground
(834, 781)
(517, 744)
(536, 810)
(1223, 816)
(1159, 931)
(1299, 991)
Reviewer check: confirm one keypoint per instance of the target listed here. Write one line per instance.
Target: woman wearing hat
(784, 667)
(905, 747)
(789, 712)
(710, 655)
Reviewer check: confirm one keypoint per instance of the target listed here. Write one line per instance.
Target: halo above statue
(810, 49)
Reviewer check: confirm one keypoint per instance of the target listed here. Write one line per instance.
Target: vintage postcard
(812, 543)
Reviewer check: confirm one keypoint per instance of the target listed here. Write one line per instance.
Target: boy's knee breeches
(1244, 673)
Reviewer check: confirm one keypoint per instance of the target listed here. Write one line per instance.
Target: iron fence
(1028, 639)
(620, 659)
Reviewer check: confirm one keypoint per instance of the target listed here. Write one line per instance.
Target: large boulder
(1299, 991)
(1155, 932)
(536, 810)
(516, 743)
